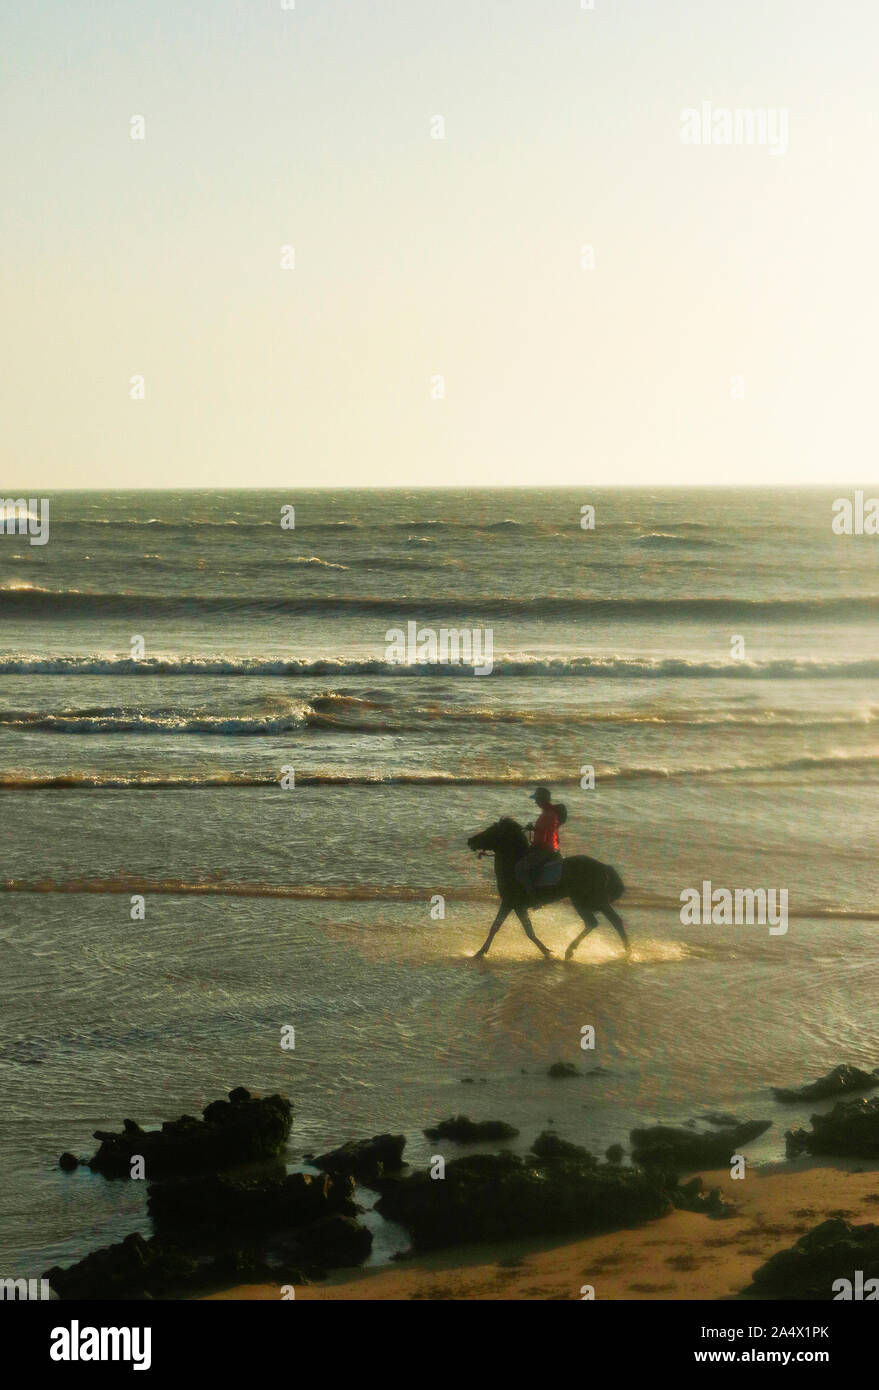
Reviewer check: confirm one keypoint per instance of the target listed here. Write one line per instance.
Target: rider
(544, 841)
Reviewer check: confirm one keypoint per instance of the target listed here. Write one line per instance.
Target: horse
(590, 885)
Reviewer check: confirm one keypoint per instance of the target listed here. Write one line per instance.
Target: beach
(683, 1256)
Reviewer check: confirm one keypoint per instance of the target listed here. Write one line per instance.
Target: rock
(813, 1268)
(615, 1153)
(719, 1117)
(691, 1196)
(841, 1080)
(133, 1268)
(365, 1158)
(501, 1197)
(548, 1145)
(240, 1266)
(681, 1149)
(465, 1131)
(336, 1242)
(218, 1208)
(562, 1069)
(851, 1128)
(68, 1162)
(232, 1131)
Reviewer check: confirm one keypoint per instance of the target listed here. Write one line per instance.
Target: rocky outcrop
(682, 1149)
(550, 1145)
(833, 1261)
(334, 1242)
(365, 1159)
(133, 1268)
(237, 1130)
(208, 1210)
(692, 1196)
(465, 1131)
(561, 1070)
(503, 1197)
(850, 1129)
(840, 1081)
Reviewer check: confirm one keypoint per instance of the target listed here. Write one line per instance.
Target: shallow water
(164, 778)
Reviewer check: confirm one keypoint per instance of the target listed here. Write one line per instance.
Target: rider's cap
(541, 791)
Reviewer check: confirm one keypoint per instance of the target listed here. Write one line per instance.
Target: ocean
(708, 657)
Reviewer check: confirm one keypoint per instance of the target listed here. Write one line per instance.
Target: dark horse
(591, 886)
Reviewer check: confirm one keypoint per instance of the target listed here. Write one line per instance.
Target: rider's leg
(528, 871)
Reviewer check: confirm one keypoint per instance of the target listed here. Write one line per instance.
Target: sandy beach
(681, 1256)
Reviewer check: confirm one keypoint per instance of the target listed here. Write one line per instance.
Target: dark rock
(233, 1131)
(691, 1196)
(850, 1128)
(562, 1069)
(133, 1268)
(501, 1197)
(680, 1149)
(548, 1146)
(837, 1082)
(210, 1210)
(615, 1153)
(467, 1131)
(68, 1162)
(336, 1242)
(365, 1158)
(240, 1266)
(831, 1252)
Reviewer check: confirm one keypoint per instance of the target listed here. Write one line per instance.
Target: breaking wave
(609, 667)
(861, 764)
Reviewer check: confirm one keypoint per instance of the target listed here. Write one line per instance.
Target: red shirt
(546, 829)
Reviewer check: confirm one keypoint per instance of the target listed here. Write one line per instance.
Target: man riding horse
(591, 886)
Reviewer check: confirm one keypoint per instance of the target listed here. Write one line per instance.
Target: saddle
(550, 874)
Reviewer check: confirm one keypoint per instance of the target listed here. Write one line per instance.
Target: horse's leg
(591, 922)
(502, 913)
(616, 921)
(522, 914)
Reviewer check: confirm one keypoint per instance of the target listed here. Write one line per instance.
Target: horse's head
(505, 834)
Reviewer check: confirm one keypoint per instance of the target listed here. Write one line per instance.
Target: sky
(442, 323)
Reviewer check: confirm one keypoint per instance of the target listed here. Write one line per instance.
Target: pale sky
(417, 258)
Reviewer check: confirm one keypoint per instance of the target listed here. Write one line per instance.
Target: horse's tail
(613, 883)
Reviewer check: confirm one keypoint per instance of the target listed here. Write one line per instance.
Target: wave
(25, 600)
(661, 540)
(315, 560)
(334, 710)
(859, 763)
(611, 667)
(124, 720)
